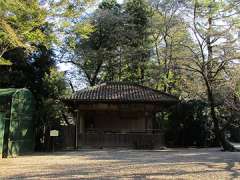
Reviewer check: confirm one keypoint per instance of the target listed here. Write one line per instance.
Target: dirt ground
(125, 164)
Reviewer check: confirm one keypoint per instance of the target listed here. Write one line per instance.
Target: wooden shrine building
(117, 115)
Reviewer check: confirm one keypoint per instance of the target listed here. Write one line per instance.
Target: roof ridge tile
(121, 91)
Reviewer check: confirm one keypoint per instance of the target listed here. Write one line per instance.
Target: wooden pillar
(81, 124)
(80, 129)
(150, 124)
(148, 120)
(76, 129)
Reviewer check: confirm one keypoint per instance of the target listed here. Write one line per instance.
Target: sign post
(54, 134)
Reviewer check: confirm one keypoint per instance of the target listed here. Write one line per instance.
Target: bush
(188, 125)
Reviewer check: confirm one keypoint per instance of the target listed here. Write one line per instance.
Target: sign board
(54, 133)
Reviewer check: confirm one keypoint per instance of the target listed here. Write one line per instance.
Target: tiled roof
(120, 92)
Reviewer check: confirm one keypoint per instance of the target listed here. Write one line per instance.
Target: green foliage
(4, 61)
(22, 24)
(84, 29)
(70, 22)
(168, 33)
(68, 8)
(188, 125)
(55, 83)
(38, 73)
(110, 4)
(118, 47)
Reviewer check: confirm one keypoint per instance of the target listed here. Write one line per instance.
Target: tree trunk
(220, 134)
(207, 75)
(166, 70)
(226, 145)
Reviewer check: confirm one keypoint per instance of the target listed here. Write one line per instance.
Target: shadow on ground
(130, 164)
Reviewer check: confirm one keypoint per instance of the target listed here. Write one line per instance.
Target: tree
(213, 24)
(28, 32)
(54, 82)
(138, 24)
(94, 55)
(231, 98)
(168, 32)
(37, 72)
(117, 48)
(28, 23)
(22, 24)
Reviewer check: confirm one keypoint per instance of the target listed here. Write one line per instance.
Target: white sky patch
(64, 66)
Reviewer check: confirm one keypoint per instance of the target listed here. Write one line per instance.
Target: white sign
(54, 133)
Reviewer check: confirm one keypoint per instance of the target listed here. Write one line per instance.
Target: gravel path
(125, 164)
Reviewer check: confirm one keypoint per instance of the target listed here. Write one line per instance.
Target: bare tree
(212, 26)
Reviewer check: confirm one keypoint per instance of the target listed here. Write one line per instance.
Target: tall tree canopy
(22, 24)
(119, 46)
(214, 25)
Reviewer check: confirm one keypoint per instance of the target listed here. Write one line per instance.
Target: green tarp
(16, 122)
(2, 125)
(7, 92)
(5, 98)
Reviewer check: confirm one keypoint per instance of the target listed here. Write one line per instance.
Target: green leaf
(5, 62)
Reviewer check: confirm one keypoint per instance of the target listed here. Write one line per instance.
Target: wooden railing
(124, 131)
(123, 138)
